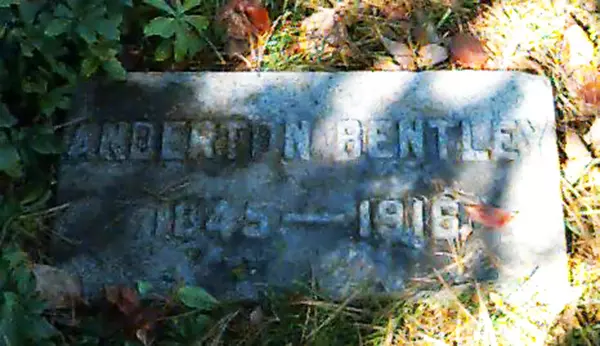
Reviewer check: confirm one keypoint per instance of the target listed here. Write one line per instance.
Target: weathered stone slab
(241, 182)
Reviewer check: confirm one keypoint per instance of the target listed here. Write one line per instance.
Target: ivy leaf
(89, 66)
(114, 68)
(163, 51)
(63, 11)
(161, 5)
(161, 26)
(189, 4)
(196, 297)
(185, 43)
(7, 3)
(86, 33)
(10, 161)
(29, 9)
(144, 287)
(6, 119)
(45, 141)
(107, 28)
(10, 316)
(57, 98)
(198, 22)
(57, 26)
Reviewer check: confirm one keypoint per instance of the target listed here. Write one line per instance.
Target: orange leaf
(468, 51)
(125, 298)
(489, 216)
(259, 17)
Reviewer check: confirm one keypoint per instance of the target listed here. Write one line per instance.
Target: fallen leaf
(432, 54)
(578, 49)
(385, 64)
(395, 12)
(468, 51)
(256, 316)
(324, 26)
(489, 216)
(243, 19)
(57, 287)
(124, 298)
(590, 90)
(259, 16)
(402, 54)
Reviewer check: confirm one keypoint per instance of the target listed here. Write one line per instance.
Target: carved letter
(441, 126)
(471, 129)
(364, 212)
(349, 139)
(389, 219)
(84, 141)
(202, 139)
(444, 218)
(505, 146)
(164, 219)
(174, 140)
(114, 144)
(297, 140)
(187, 220)
(234, 128)
(142, 141)
(380, 142)
(417, 218)
(410, 136)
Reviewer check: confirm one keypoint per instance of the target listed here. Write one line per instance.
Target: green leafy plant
(180, 29)
(191, 326)
(21, 319)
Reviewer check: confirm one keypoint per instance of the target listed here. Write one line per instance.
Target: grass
(520, 35)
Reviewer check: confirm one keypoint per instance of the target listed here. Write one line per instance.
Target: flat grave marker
(244, 182)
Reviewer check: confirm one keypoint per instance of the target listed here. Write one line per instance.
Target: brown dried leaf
(395, 12)
(590, 90)
(325, 24)
(468, 51)
(385, 64)
(124, 298)
(57, 287)
(488, 216)
(431, 55)
(243, 18)
(402, 54)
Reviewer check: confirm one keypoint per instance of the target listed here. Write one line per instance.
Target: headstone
(248, 182)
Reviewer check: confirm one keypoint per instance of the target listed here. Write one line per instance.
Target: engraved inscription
(387, 219)
(381, 139)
